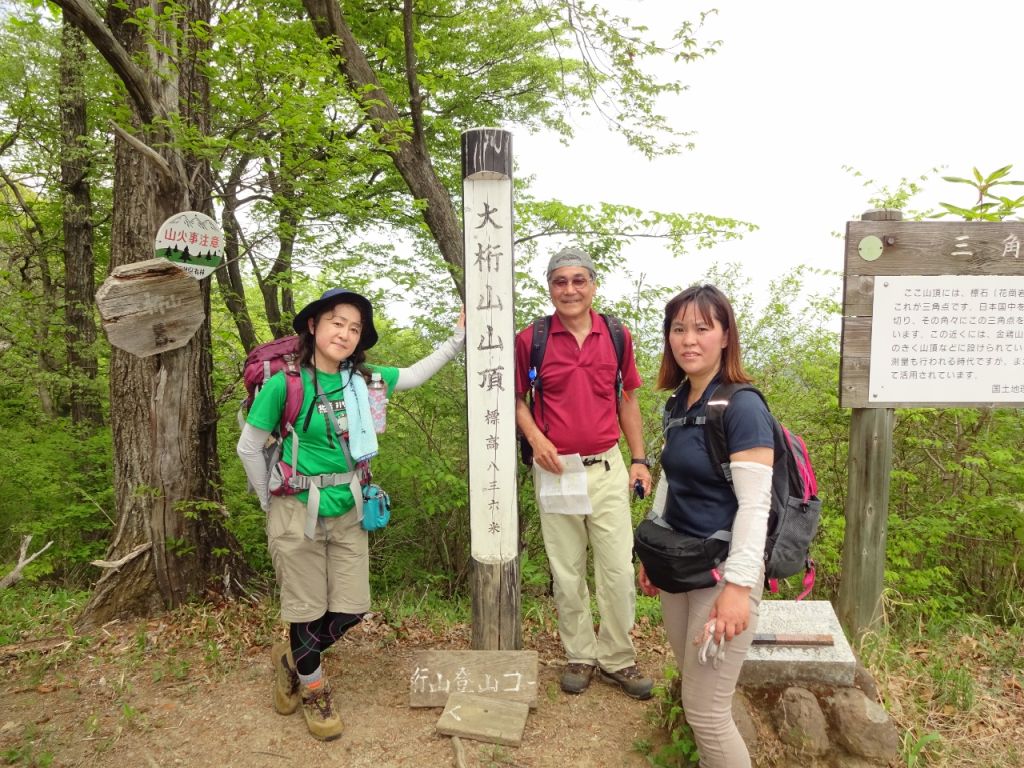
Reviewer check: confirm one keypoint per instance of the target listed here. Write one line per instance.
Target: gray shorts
(330, 573)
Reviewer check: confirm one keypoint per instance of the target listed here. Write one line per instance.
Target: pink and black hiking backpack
(262, 363)
(795, 507)
(266, 360)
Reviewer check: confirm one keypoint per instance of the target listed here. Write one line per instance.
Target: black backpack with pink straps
(795, 507)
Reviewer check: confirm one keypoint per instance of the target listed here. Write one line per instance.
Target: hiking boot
(286, 679)
(576, 677)
(318, 707)
(631, 681)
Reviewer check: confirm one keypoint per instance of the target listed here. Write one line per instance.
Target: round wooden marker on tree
(149, 307)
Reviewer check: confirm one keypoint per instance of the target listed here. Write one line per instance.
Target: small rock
(863, 727)
(801, 723)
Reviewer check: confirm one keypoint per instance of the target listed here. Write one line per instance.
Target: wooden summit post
(490, 387)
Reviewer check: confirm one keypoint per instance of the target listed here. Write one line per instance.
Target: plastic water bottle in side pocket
(378, 392)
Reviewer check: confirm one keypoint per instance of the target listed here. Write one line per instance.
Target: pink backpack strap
(292, 399)
(798, 448)
(808, 583)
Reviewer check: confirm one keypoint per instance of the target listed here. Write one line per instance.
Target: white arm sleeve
(752, 483)
(419, 372)
(660, 497)
(250, 451)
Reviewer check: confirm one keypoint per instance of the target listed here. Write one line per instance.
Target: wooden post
(490, 387)
(867, 508)
(869, 463)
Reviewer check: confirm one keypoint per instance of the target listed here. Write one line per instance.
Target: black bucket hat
(339, 296)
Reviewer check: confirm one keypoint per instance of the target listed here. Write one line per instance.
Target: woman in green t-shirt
(316, 540)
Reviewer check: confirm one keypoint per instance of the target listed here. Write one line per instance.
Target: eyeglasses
(579, 282)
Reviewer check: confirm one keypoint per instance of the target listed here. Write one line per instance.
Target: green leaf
(955, 209)
(998, 174)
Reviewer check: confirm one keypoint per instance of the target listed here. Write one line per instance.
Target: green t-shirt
(317, 456)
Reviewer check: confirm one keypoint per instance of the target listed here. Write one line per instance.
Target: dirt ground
(154, 694)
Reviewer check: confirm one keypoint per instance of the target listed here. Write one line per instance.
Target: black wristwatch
(645, 462)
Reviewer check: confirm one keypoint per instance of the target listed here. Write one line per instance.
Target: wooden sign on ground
(484, 718)
(150, 307)
(507, 675)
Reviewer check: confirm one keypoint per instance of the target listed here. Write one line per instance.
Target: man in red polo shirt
(581, 414)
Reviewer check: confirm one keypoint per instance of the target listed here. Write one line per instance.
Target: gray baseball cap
(571, 257)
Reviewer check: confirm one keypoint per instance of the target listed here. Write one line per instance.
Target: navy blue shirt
(700, 501)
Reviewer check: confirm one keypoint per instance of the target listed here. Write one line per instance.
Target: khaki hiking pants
(609, 533)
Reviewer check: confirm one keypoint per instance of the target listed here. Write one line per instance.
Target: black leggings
(311, 638)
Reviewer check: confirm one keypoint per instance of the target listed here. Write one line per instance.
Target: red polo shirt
(579, 412)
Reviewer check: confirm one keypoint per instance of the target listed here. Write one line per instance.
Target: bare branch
(82, 14)
(37, 225)
(10, 140)
(415, 97)
(460, 752)
(15, 575)
(127, 558)
(45, 645)
(935, 460)
(147, 151)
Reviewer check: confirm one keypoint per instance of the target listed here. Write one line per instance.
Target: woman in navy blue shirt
(711, 629)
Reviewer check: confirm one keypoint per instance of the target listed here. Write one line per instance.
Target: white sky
(798, 90)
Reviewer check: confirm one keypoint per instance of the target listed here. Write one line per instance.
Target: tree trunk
(277, 287)
(229, 277)
(37, 251)
(409, 153)
(170, 543)
(48, 362)
(79, 263)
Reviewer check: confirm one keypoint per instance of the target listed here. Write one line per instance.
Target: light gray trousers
(707, 692)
